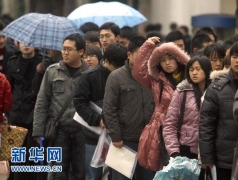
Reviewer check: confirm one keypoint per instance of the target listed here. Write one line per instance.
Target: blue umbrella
(41, 30)
(101, 12)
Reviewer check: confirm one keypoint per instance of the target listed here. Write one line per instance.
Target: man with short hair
(21, 70)
(200, 42)
(177, 38)
(126, 33)
(109, 33)
(92, 88)
(217, 127)
(58, 83)
(127, 108)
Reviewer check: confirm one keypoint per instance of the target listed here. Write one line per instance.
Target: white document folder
(80, 120)
(123, 160)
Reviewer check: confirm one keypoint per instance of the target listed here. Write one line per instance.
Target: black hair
(89, 26)
(2, 25)
(78, 39)
(216, 48)
(92, 36)
(206, 66)
(173, 36)
(185, 28)
(111, 26)
(135, 43)
(234, 49)
(198, 40)
(173, 26)
(227, 60)
(93, 50)
(206, 30)
(153, 27)
(228, 43)
(116, 54)
(127, 32)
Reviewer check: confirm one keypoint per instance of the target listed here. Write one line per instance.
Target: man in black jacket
(91, 87)
(218, 128)
(127, 108)
(21, 70)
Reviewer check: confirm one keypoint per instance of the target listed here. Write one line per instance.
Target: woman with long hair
(197, 80)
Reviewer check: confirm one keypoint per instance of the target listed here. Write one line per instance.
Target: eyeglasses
(106, 36)
(68, 50)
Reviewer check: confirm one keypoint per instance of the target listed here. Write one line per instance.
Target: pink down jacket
(189, 128)
(145, 71)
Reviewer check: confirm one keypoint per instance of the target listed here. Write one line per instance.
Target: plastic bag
(179, 168)
(101, 150)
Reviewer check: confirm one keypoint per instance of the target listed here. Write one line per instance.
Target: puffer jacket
(189, 128)
(145, 71)
(5, 96)
(217, 127)
(127, 105)
(56, 87)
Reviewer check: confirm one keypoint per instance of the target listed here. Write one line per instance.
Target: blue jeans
(140, 173)
(91, 172)
(73, 153)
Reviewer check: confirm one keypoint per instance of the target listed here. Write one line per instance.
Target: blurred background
(163, 13)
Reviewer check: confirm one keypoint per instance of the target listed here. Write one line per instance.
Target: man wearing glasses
(109, 33)
(57, 85)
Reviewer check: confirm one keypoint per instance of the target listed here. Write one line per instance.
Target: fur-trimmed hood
(165, 48)
(215, 74)
(184, 86)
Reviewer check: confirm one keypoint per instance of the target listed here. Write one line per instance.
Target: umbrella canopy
(41, 30)
(101, 12)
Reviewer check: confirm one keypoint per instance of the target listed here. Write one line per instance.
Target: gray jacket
(56, 87)
(127, 106)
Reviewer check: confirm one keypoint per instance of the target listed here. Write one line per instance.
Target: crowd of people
(140, 83)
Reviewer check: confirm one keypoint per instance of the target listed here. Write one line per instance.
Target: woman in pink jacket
(197, 73)
(160, 69)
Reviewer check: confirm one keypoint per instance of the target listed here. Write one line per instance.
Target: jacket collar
(184, 86)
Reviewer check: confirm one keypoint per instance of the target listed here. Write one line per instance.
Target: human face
(71, 55)
(27, 51)
(92, 60)
(124, 41)
(179, 43)
(212, 37)
(216, 62)
(3, 40)
(132, 57)
(88, 43)
(169, 64)
(107, 37)
(234, 65)
(196, 73)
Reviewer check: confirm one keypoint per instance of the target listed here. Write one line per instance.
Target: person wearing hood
(127, 108)
(197, 80)
(160, 69)
(217, 127)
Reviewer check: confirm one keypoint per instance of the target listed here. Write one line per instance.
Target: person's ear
(195, 50)
(81, 52)
(117, 38)
(129, 54)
